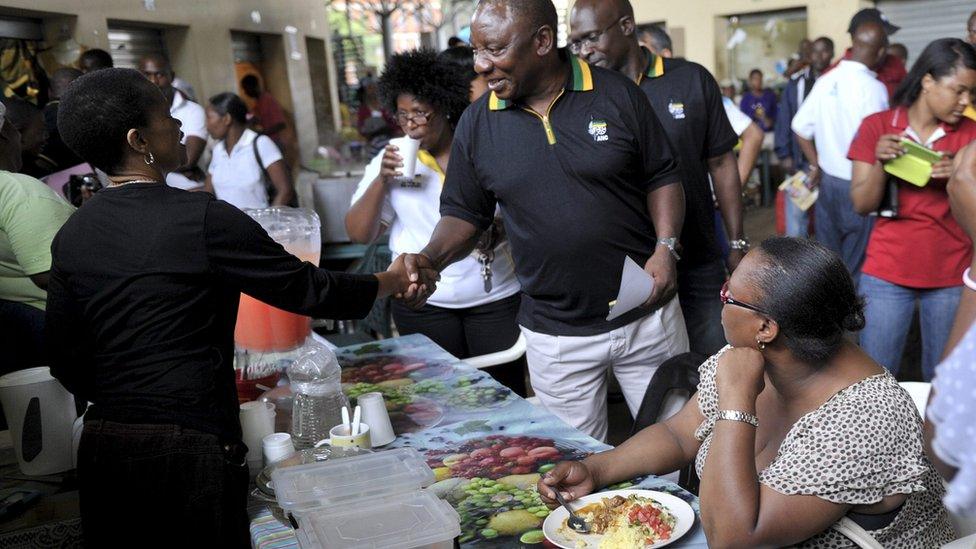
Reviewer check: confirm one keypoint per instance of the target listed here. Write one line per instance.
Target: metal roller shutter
(20, 28)
(923, 21)
(247, 48)
(130, 44)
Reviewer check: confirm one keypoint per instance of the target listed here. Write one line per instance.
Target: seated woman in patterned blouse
(793, 428)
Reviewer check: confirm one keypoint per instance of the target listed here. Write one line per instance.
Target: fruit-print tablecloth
(486, 445)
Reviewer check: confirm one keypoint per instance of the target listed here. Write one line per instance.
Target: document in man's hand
(636, 286)
(795, 187)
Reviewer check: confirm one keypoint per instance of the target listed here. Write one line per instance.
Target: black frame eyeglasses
(591, 39)
(729, 300)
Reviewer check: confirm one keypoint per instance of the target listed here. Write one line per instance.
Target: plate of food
(622, 519)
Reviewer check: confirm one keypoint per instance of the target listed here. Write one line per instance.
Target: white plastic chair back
(511, 354)
(965, 528)
(967, 542)
(919, 392)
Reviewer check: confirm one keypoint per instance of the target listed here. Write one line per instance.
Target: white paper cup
(257, 422)
(408, 148)
(377, 417)
(277, 446)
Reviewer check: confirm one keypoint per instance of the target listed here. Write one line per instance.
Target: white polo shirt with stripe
(412, 212)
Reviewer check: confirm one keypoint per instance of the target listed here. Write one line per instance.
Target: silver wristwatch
(736, 415)
(671, 243)
(739, 244)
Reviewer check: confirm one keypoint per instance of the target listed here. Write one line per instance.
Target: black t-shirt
(688, 103)
(574, 199)
(143, 296)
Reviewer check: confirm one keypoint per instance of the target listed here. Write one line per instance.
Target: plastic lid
(405, 521)
(314, 485)
(39, 374)
(315, 371)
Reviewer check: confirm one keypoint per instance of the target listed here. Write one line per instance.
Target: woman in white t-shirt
(243, 160)
(468, 315)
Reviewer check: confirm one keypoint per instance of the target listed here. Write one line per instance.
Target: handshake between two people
(412, 278)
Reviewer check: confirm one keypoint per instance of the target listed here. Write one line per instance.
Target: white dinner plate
(683, 514)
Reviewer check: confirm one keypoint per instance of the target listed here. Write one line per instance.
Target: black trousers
(474, 331)
(161, 485)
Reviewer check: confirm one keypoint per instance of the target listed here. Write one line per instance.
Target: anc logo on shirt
(677, 109)
(598, 129)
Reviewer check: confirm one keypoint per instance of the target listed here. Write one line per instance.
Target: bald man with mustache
(688, 102)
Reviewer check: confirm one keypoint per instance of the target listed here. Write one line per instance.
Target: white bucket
(40, 414)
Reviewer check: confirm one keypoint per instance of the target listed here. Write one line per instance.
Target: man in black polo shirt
(688, 103)
(584, 177)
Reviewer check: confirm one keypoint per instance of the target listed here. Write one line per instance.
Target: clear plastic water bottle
(318, 399)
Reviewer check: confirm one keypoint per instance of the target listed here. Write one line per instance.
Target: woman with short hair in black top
(142, 304)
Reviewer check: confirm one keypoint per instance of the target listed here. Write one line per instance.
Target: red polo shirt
(270, 114)
(923, 247)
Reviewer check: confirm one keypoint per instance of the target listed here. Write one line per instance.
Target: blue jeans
(698, 289)
(889, 315)
(839, 227)
(797, 220)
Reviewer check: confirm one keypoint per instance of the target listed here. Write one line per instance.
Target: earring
(149, 159)
(761, 344)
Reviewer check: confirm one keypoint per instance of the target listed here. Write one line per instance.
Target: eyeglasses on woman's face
(419, 118)
(729, 300)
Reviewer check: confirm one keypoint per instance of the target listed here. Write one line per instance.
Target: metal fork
(575, 521)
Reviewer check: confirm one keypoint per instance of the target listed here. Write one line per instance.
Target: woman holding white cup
(470, 314)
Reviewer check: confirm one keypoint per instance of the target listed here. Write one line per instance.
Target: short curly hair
(98, 109)
(420, 73)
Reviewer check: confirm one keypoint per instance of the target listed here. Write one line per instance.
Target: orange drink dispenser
(264, 332)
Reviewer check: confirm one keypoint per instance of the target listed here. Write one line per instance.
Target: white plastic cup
(257, 422)
(377, 417)
(277, 446)
(40, 415)
(408, 148)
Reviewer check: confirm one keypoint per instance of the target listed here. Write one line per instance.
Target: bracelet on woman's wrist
(737, 415)
(968, 280)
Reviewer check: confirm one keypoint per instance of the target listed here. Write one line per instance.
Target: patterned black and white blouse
(862, 445)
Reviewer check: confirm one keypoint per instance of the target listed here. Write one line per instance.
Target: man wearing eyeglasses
(575, 159)
(688, 102)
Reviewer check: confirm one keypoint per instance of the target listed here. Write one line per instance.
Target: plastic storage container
(349, 481)
(404, 521)
(41, 416)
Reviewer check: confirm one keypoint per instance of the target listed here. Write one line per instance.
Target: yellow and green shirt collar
(655, 65)
(580, 81)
